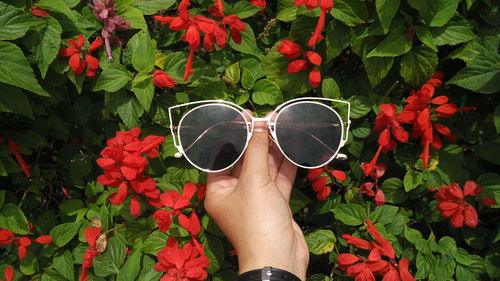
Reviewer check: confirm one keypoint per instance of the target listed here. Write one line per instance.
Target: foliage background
(374, 51)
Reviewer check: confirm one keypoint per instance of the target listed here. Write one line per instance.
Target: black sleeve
(268, 274)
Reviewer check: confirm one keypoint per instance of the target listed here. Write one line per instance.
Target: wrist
(268, 273)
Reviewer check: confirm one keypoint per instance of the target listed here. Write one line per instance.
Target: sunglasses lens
(213, 136)
(309, 133)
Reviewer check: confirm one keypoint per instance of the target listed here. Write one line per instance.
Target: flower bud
(101, 243)
(95, 222)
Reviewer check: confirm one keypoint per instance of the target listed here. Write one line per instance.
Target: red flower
(6, 237)
(389, 122)
(452, 204)
(375, 172)
(124, 166)
(326, 6)
(164, 219)
(184, 264)
(176, 201)
(297, 65)
(79, 59)
(259, 3)
(22, 244)
(361, 268)
(15, 150)
(289, 49)
(320, 182)
(44, 239)
(202, 191)
(162, 80)
(8, 273)
(37, 12)
(91, 235)
(191, 224)
(314, 78)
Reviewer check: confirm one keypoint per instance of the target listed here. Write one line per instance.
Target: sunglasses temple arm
(348, 122)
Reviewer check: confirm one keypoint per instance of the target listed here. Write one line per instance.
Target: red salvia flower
(80, 59)
(6, 237)
(289, 49)
(314, 78)
(452, 204)
(15, 150)
(176, 202)
(164, 219)
(196, 25)
(186, 264)
(38, 12)
(375, 172)
(259, 3)
(361, 268)
(124, 166)
(292, 50)
(22, 244)
(319, 179)
(326, 6)
(91, 235)
(8, 273)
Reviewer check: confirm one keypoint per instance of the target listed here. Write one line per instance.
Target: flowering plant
(92, 190)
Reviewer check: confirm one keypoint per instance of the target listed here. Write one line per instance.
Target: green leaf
(488, 151)
(2, 197)
(412, 234)
(350, 12)
(144, 89)
(215, 252)
(384, 214)
(129, 110)
(71, 207)
(298, 200)
(376, 68)
(393, 190)
(247, 79)
(233, 72)
(412, 180)
(149, 7)
(29, 265)
(13, 219)
(143, 54)
(63, 233)
(350, 214)
(457, 30)
(133, 15)
(329, 88)
(301, 30)
(360, 106)
(425, 264)
(483, 71)
(496, 118)
(131, 268)
(59, 6)
(286, 11)
(386, 9)
(45, 43)
(275, 66)
(320, 241)
(266, 92)
(14, 22)
(337, 39)
(462, 273)
(110, 261)
(213, 90)
(395, 44)
(426, 37)
(154, 243)
(64, 264)
(113, 78)
(13, 100)
(447, 246)
(15, 69)
(435, 12)
(248, 44)
(244, 9)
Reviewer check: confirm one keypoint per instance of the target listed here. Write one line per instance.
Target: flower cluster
(124, 166)
(80, 59)
(105, 12)
(22, 243)
(162, 80)
(292, 51)
(380, 261)
(453, 205)
(322, 179)
(16, 151)
(195, 25)
(367, 188)
(186, 264)
(8, 273)
(419, 113)
(97, 243)
(326, 6)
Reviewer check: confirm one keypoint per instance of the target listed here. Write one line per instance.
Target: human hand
(250, 204)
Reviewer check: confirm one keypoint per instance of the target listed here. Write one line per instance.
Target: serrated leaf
(63, 233)
(286, 10)
(154, 243)
(112, 79)
(395, 44)
(337, 39)
(131, 268)
(329, 88)
(244, 9)
(110, 261)
(266, 92)
(435, 12)
(457, 30)
(64, 265)
(386, 9)
(320, 241)
(15, 69)
(144, 89)
(247, 79)
(14, 22)
(350, 12)
(233, 72)
(130, 110)
(376, 68)
(13, 100)
(426, 37)
(350, 214)
(393, 190)
(143, 55)
(13, 219)
(248, 44)
(360, 106)
(149, 7)
(133, 15)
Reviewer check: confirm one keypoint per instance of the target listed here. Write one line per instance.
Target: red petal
(314, 173)
(68, 52)
(357, 242)
(340, 175)
(470, 217)
(388, 109)
(169, 198)
(8, 272)
(91, 235)
(319, 184)
(442, 129)
(471, 188)
(439, 100)
(79, 43)
(346, 260)
(76, 64)
(486, 201)
(457, 221)
(447, 209)
(447, 109)
(313, 57)
(44, 239)
(135, 207)
(129, 173)
(314, 78)
(379, 197)
(296, 66)
(324, 193)
(105, 163)
(96, 44)
(22, 252)
(384, 137)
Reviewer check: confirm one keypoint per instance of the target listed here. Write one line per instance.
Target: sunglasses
(213, 134)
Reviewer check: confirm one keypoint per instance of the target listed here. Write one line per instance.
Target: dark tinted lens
(308, 133)
(213, 136)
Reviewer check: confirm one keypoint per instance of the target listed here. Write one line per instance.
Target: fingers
(255, 168)
(275, 159)
(285, 178)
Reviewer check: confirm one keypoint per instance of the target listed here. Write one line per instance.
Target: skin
(250, 204)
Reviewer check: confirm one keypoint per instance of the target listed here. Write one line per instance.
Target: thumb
(255, 168)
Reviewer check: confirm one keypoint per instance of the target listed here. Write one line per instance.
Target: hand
(250, 204)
